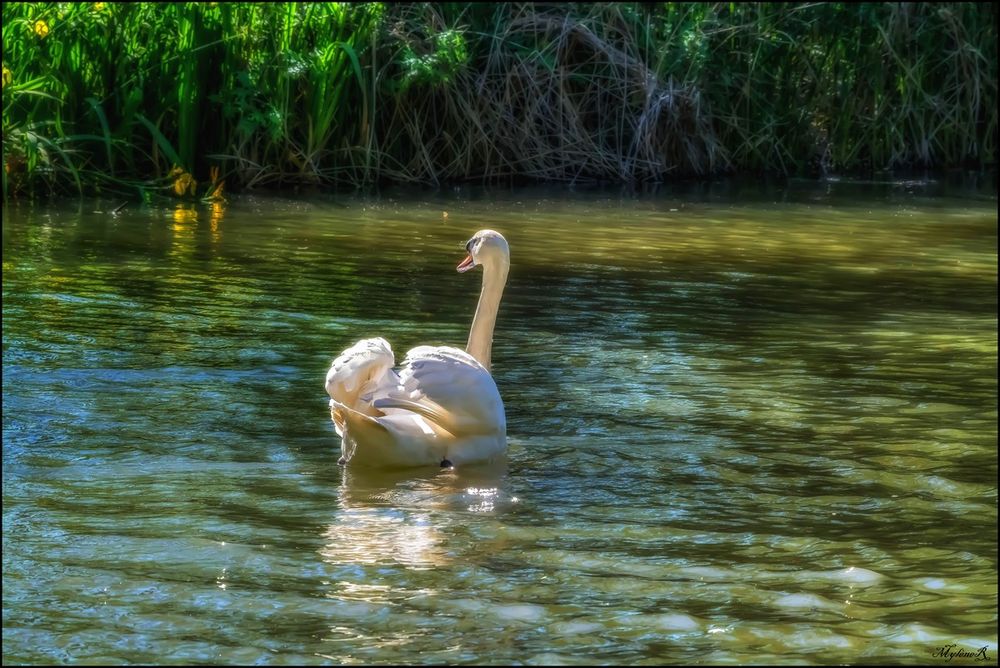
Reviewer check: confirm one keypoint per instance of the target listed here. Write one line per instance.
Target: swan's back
(449, 387)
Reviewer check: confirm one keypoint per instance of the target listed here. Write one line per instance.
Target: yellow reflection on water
(216, 214)
(184, 215)
(184, 225)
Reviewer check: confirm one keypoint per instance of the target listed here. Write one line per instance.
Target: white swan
(442, 407)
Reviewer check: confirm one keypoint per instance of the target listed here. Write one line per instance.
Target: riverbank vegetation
(181, 98)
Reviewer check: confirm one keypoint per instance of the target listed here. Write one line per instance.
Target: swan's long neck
(480, 343)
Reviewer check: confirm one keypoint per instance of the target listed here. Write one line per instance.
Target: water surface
(745, 427)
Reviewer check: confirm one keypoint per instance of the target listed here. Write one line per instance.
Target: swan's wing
(398, 439)
(448, 387)
(359, 372)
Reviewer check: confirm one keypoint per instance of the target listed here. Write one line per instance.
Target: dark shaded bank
(177, 99)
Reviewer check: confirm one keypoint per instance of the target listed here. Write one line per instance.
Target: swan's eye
(468, 245)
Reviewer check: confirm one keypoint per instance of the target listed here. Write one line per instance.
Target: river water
(745, 426)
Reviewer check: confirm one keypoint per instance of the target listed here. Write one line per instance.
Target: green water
(745, 427)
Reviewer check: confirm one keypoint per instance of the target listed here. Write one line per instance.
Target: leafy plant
(120, 95)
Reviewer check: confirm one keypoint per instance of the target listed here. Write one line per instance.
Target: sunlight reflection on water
(743, 430)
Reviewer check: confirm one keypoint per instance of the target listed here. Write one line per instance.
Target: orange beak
(466, 264)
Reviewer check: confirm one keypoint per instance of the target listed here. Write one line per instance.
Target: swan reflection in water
(402, 517)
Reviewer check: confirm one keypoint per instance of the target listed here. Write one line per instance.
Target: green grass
(125, 97)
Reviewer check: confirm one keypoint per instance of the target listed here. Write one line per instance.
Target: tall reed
(132, 97)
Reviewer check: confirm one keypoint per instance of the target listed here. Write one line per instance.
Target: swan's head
(485, 247)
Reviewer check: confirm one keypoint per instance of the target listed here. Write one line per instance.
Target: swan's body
(442, 406)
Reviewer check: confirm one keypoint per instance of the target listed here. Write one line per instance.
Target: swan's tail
(358, 372)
